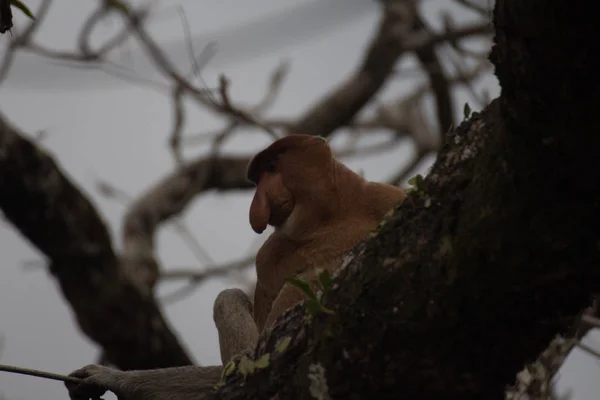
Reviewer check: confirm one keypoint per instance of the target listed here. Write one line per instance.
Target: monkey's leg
(232, 313)
(179, 383)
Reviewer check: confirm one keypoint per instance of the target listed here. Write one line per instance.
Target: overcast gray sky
(100, 128)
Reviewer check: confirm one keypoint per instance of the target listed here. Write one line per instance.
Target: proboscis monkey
(319, 208)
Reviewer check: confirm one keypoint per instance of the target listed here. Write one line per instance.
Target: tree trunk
(488, 259)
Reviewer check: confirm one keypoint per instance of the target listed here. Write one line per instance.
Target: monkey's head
(294, 172)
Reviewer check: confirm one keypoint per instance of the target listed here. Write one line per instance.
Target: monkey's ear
(260, 209)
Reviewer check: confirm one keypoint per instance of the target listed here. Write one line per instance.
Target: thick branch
(439, 83)
(41, 202)
(399, 32)
(167, 199)
(341, 105)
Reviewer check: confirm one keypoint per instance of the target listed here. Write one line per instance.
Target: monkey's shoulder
(280, 258)
(277, 246)
(277, 252)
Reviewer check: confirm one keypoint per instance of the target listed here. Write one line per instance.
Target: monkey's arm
(232, 313)
(288, 297)
(178, 383)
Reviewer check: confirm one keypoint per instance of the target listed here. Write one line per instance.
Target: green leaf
(228, 369)
(325, 279)
(262, 362)
(420, 180)
(246, 366)
(283, 344)
(326, 310)
(313, 306)
(467, 110)
(21, 6)
(416, 181)
(304, 286)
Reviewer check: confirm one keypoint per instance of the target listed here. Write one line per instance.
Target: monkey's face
(283, 174)
(272, 204)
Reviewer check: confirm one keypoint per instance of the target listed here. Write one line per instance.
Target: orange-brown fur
(320, 210)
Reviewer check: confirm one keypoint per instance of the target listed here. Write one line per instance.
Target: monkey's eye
(271, 166)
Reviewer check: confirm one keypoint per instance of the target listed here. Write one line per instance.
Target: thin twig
(588, 349)
(481, 10)
(38, 373)
(178, 122)
(591, 320)
(402, 175)
(179, 226)
(217, 270)
(195, 278)
(198, 63)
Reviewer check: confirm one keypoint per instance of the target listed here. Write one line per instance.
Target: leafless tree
(491, 256)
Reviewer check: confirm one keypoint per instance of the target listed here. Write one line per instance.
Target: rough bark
(480, 267)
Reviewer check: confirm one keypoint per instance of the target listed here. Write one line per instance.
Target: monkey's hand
(95, 381)
(178, 383)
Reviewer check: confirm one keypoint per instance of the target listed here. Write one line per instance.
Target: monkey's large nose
(259, 218)
(259, 210)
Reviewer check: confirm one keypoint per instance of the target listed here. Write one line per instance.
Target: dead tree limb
(60, 221)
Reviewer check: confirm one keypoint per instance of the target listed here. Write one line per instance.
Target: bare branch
(62, 223)
(179, 225)
(214, 271)
(392, 40)
(404, 173)
(340, 106)
(481, 10)
(168, 198)
(178, 122)
(22, 39)
(196, 278)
